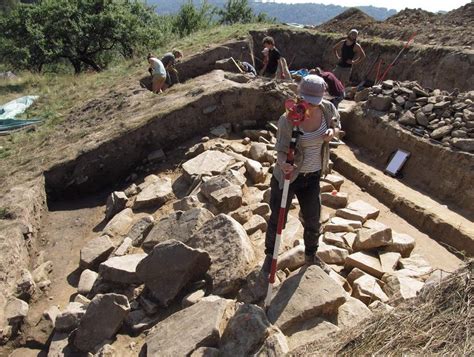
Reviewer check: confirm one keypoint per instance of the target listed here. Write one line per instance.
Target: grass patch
(5, 214)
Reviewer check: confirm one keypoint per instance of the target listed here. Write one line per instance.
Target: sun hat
(311, 89)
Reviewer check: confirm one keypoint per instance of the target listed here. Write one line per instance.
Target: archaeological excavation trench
(159, 226)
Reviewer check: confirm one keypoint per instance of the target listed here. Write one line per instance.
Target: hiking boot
(314, 260)
(267, 264)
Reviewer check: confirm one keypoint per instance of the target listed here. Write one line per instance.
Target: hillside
(306, 14)
(454, 28)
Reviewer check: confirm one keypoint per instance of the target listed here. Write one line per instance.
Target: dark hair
(149, 56)
(269, 40)
(177, 53)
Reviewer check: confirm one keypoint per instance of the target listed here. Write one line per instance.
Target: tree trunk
(90, 62)
(76, 64)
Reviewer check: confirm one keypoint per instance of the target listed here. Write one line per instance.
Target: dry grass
(439, 322)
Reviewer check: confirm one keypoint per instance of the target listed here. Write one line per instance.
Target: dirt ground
(454, 28)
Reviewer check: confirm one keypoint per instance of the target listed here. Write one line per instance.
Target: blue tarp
(9, 111)
(12, 124)
(300, 72)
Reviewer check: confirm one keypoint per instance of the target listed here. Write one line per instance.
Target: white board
(397, 162)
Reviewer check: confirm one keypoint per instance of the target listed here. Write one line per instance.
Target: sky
(429, 5)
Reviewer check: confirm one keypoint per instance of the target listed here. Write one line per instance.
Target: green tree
(236, 11)
(87, 33)
(190, 19)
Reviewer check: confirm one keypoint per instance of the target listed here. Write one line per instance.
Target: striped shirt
(311, 143)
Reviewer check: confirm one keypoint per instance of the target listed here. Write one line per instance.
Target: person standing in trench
(321, 124)
(345, 51)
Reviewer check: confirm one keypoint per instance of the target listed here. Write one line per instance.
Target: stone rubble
(188, 269)
(439, 116)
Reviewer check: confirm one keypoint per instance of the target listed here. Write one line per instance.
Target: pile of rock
(443, 117)
(196, 261)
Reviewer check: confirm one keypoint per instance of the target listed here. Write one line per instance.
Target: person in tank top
(348, 53)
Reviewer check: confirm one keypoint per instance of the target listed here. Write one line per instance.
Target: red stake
(408, 43)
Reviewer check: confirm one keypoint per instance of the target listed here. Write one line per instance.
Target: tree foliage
(87, 33)
(190, 19)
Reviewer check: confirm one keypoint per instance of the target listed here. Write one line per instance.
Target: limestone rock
(122, 269)
(379, 102)
(230, 249)
(115, 203)
(178, 225)
(441, 132)
(366, 289)
(258, 151)
(205, 352)
(366, 262)
(59, 345)
(120, 224)
(255, 223)
(255, 288)
(69, 319)
(255, 171)
(389, 261)
(352, 313)
(25, 285)
(416, 263)
(336, 240)
(208, 163)
(347, 213)
(95, 252)
(16, 311)
(275, 345)
(408, 118)
(290, 304)
(291, 259)
(41, 273)
(404, 287)
(401, 243)
(102, 319)
(362, 207)
(378, 307)
(338, 200)
(325, 187)
(169, 267)
(331, 254)
(422, 119)
(311, 330)
(372, 238)
(42, 330)
(140, 229)
(334, 180)
(86, 281)
(123, 248)
(245, 332)
(236, 177)
(342, 221)
(227, 199)
(155, 194)
(187, 203)
(193, 298)
(200, 324)
(463, 144)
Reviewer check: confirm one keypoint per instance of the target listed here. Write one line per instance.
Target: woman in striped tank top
(311, 162)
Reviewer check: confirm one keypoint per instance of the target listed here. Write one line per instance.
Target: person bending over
(158, 73)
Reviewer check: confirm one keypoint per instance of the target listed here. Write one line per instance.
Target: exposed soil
(454, 28)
